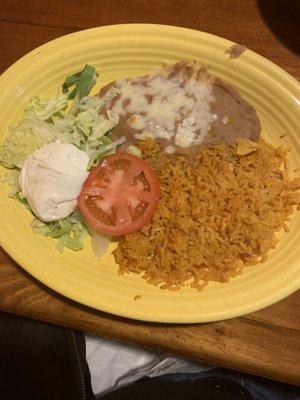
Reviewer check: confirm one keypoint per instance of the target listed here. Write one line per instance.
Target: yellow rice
(217, 215)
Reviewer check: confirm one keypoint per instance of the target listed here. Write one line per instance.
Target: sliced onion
(100, 243)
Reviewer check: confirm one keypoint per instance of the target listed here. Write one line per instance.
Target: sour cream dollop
(51, 179)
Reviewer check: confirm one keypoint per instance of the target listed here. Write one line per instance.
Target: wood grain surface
(265, 343)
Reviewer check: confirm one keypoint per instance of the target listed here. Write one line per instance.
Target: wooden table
(265, 343)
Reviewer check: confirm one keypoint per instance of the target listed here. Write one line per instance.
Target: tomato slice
(120, 195)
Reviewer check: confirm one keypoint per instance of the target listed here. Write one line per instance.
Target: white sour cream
(51, 179)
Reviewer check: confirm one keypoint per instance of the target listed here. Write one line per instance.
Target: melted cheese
(168, 108)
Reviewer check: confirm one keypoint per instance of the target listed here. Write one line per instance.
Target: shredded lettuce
(12, 179)
(81, 122)
(82, 81)
(19, 196)
(43, 110)
(14, 184)
(44, 122)
(69, 231)
(23, 139)
(103, 151)
(134, 150)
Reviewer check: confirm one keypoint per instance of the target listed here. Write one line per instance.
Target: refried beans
(182, 107)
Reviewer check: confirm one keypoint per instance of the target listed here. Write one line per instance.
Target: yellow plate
(120, 51)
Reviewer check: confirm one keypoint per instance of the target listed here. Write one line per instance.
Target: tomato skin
(118, 194)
